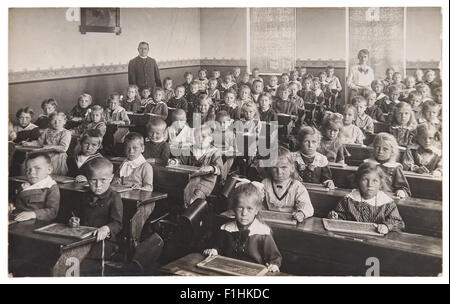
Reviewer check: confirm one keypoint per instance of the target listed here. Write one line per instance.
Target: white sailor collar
(319, 159)
(389, 164)
(256, 228)
(47, 182)
(379, 200)
(30, 126)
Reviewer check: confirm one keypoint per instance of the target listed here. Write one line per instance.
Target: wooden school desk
(187, 266)
(46, 254)
(309, 249)
(421, 216)
(422, 186)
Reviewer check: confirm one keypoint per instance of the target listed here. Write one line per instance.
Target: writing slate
(229, 266)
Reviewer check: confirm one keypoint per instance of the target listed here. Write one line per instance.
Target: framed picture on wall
(100, 20)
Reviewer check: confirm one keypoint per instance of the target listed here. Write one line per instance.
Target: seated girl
(368, 203)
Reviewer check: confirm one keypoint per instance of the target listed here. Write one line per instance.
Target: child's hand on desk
(273, 268)
(25, 216)
(382, 229)
(333, 215)
(102, 233)
(400, 194)
(299, 216)
(207, 169)
(80, 179)
(329, 184)
(210, 252)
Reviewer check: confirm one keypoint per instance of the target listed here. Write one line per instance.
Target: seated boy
(180, 134)
(90, 143)
(39, 198)
(102, 208)
(157, 150)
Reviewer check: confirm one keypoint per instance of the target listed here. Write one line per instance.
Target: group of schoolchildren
(185, 118)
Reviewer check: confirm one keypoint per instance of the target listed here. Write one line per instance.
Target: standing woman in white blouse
(361, 75)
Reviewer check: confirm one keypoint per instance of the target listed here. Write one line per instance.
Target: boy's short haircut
(414, 94)
(56, 114)
(389, 69)
(348, 107)
(293, 83)
(158, 89)
(203, 70)
(429, 104)
(50, 101)
(426, 128)
(315, 79)
(187, 73)
(156, 123)
(222, 114)
(35, 155)
(257, 81)
(26, 110)
(134, 136)
(94, 133)
(144, 42)
(358, 99)
(177, 112)
(245, 87)
(363, 52)
(429, 71)
(180, 86)
(255, 69)
(285, 74)
(397, 73)
(195, 82)
(322, 73)
(375, 82)
(232, 92)
(204, 97)
(212, 79)
(393, 89)
(367, 93)
(97, 108)
(410, 77)
(85, 95)
(97, 164)
(112, 96)
(236, 68)
(146, 88)
(247, 190)
(330, 67)
(166, 79)
(216, 70)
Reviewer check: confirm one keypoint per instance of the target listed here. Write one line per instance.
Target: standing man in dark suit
(143, 70)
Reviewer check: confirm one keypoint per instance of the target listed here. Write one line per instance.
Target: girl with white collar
(247, 238)
(369, 203)
(385, 155)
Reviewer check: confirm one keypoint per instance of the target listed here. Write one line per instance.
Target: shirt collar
(379, 200)
(30, 126)
(47, 182)
(256, 228)
(388, 164)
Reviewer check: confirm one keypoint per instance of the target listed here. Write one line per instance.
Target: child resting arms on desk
(39, 198)
(247, 238)
(369, 203)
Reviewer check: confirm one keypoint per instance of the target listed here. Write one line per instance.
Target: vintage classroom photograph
(182, 141)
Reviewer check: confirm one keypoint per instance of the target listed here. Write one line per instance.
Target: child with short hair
(418, 74)
(231, 106)
(272, 87)
(332, 80)
(94, 121)
(159, 107)
(307, 93)
(178, 101)
(81, 110)
(284, 193)
(415, 100)
(245, 80)
(58, 139)
(284, 79)
(132, 102)
(247, 238)
(257, 90)
(425, 158)
(429, 115)
(115, 113)
(437, 94)
(135, 171)
(311, 166)
(266, 111)
(397, 81)
(48, 107)
(204, 110)
(323, 81)
(236, 74)
(283, 104)
(372, 108)
(351, 134)
(179, 133)
(202, 81)
(387, 104)
(90, 142)
(102, 208)
(228, 84)
(385, 154)
(404, 124)
(168, 90)
(295, 98)
(378, 87)
(39, 198)
(224, 138)
(303, 72)
(25, 130)
(216, 76)
(410, 86)
(157, 150)
(369, 203)
(255, 76)
(362, 121)
(192, 96)
(213, 92)
(389, 77)
(188, 77)
(424, 91)
(430, 80)
(207, 157)
(146, 98)
(331, 144)
(244, 95)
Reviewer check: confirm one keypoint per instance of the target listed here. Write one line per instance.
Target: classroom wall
(321, 33)
(223, 33)
(44, 43)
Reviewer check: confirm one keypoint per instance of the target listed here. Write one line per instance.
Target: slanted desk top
(187, 266)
